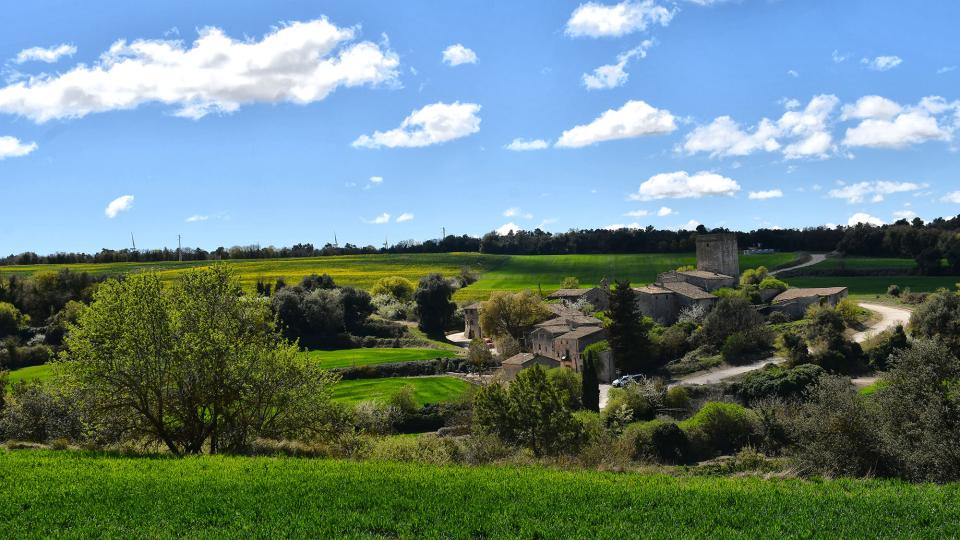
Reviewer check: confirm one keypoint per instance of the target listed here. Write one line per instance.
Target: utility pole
(179, 250)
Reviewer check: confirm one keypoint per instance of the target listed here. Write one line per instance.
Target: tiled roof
(703, 274)
(688, 290)
(793, 294)
(568, 293)
(525, 358)
(582, 332)
(652, 289)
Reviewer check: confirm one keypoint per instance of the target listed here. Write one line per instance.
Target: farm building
(569, 347)
(598, 297)
(513, 365)
(795, 302)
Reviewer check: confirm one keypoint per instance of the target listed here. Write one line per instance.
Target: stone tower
(718, 253)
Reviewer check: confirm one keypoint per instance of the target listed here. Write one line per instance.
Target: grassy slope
(874, 285)
(497, 272)
(59, 494)
(32, 373)
(425, 389)
(369, 357)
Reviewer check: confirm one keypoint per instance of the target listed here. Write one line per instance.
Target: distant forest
(928, 243)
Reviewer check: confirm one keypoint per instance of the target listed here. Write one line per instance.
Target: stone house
(569, 347)
(708, 281)
(513, 365)
(795, 302)
(598, 297)
(471, 321)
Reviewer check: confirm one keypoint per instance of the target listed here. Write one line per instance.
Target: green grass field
(433, 389)
(369, 357)
(67, 494)
(874, 285)
(32, 373)
(497, 272)
(865, 263)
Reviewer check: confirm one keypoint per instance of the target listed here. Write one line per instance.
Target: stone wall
(718, 253)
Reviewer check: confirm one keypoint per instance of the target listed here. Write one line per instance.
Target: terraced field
(370, 357)
(74, 494)
(434, 389)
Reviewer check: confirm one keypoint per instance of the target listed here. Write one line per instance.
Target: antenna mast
(179, 250)
(134, 242)
(335, 243)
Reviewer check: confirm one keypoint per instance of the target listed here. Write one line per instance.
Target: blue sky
(282, 122)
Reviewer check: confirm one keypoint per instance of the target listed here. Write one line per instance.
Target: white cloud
(637, 213)
(515, 212)
(45, 54)
(618, 226)
(681, 185)
(433, 124)
(13, 147)
(120, 204)
(523, 145)
(871, 107)
(505, 229)
(904, 214)
(634, 119)
(376, 179)
(882, 63)
(838, 58)
(807, 129)
(793, 73)
(406, 216)
(599, 20)
(764, 195)
(952, 197)
(455, 55)
(379, 220)
(915, 125)
(665, 211)
(300, 62)
(861, 217)
(196, 217)
(614, 75)
(875, 191)
(946, 69)
(690, 225)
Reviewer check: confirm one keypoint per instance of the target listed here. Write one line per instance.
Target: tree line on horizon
(926, 242)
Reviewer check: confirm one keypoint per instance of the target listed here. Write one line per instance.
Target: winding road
(889, 318)
(815, 258)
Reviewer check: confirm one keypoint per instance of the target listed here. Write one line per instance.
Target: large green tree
(939, 318)
(434, 306)
(628, 331)
(193, 366)
(512, 314)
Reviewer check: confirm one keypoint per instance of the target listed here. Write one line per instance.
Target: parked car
(625, 380)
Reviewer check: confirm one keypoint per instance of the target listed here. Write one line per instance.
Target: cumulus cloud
(376, 179)
(805, 131)
(886, 124)
(904, 214)
(946, 69)
(379, 220)
(637, 213)
(874, 191)
(45, 54)
(882, 63)
(614, 75)
(690, 225)
(599, 20)
(13, 147)
(862, 217)
(455, 55)
(300, 62)
(793, 73)
(433, 124)
(764, 195)
(196, 218)
(516, 212)
(682, 185)
(838, 58)
(406, 216)
(952, 197)
(871, 107)
(523, 145)
(505, 229)
(618, 226)
(665, 211)
(634, 119)
(122, 203)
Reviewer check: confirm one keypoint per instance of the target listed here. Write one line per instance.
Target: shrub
(939, 318)
(772, 283)
(570, 283)
(883, 345)
(836, 432)
(670, 443)
(677, 398)
(570, 385)
(753, 276)
(893, 290)
(747, 345)
(720, 428)
(641, 399)
(778, 317)
(39, 414)
(420, 449)
(692, 314)
(731, 315)
(851, 313)
(398, 287)
(11, 320)
(774, 381)
(674, 342)
(773, 421)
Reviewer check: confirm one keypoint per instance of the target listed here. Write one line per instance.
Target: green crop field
(73, 494)
(369, 357)
(32, 373)
(865, 263)
(497, 272)
(874, 285)
(434, 389)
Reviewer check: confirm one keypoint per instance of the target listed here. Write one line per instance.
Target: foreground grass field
(497, 272)
(370, 357)
(32, 373)
(434, 389)
(64, 494)
(876, 285)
